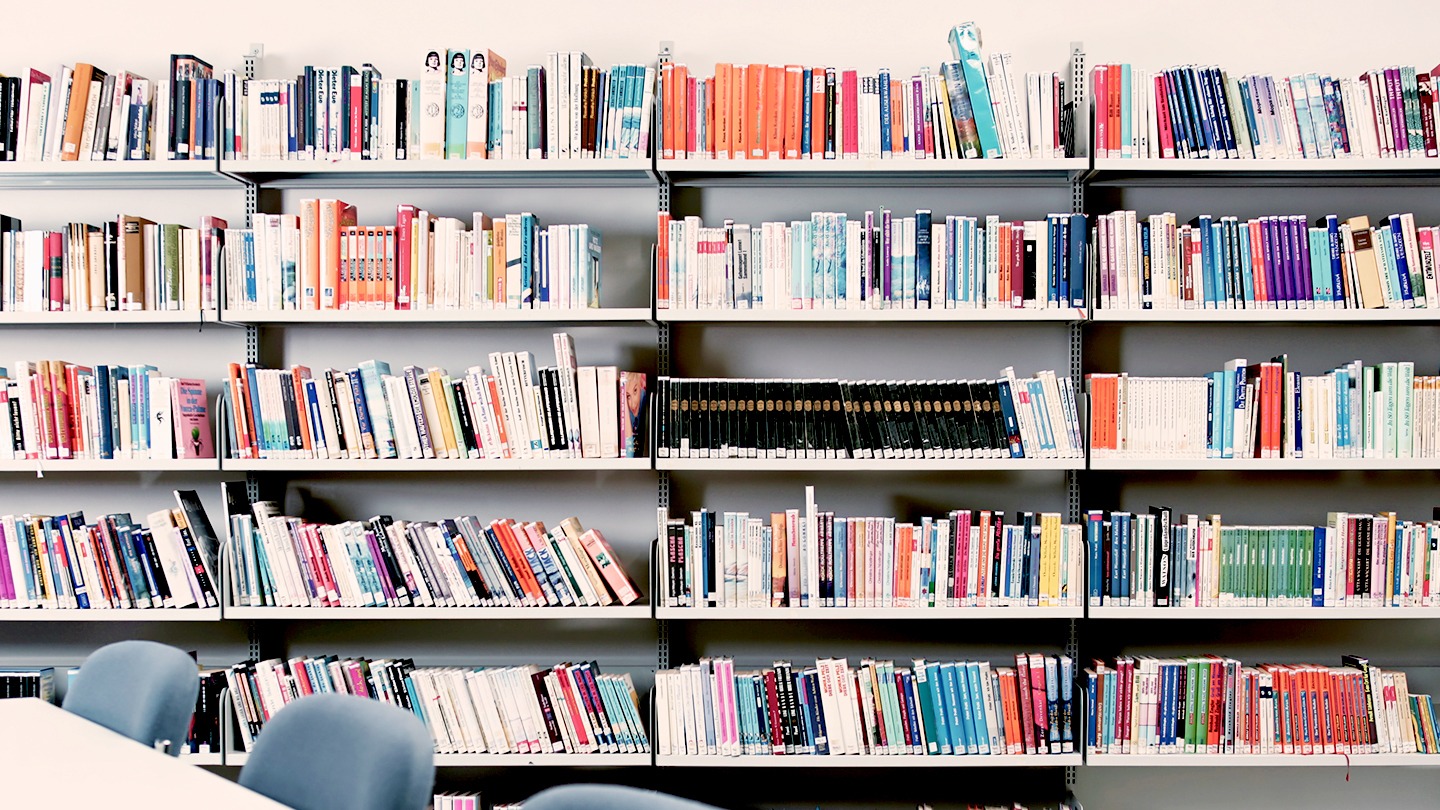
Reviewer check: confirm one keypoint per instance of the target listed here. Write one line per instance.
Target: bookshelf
(113, 615)
(40, 467)
(868, 316)
(442, 317)
(1262, 761)
(870, 761)
(70, 319)
(603, 172)
(121, 175)
(612, 613)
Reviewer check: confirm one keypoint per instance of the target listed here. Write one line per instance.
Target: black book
(367, 78)
(679, 417)
(748, 420)
(203, 546)
(1107, 554)
(305, 89)
(997, 417)
(1163, 563)
(292, 415)
(402, 117)
(557, 408)
(982, 440)
(380, 525)
(152, 559)
(1030, 552)
(660, 417)
(109, 237)
(102, 119)
(957, 418)
(453, 535)
(853, 437)
(467, 437)
(6, 102)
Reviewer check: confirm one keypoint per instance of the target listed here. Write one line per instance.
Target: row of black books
(27, 682)
(1008, 417)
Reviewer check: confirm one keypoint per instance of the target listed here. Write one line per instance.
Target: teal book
(1126, 93)
(809, 249)
(372, 372)
(534, 113)
(965, 45)
(457, 102)
(527, 260)
(592, 237)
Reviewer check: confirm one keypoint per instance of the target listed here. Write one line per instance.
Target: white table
(50, 758)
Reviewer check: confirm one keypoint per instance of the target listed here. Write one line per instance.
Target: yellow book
(446, 433)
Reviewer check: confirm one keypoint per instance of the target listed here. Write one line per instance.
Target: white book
(608, 410)
(432, 108)
(58, 105)
(87, 131)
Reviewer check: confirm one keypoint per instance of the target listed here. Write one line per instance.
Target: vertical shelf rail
(662, 354)
(1079, 137)
(251, 59)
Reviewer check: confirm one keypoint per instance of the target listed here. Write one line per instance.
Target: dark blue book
(1402, 261)
(1012, 424)
(922, 258)
(1076, 235)
(885, 122)
(912, 713)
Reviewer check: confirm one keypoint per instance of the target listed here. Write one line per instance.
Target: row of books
(1194, 561)
(63, 562)
(1267, 410)
(934, 708)
(469, 108)
(59, 410)
(321, 259)
(514, 410)
(84, 113)
(28, 682)
(568, 708)
(1197, 111)
(882, 261)
(1213, 704)
(1010, 417)
(129, 263)
(455, 562)
(970, 108)
(1273, 262)
(804, 557)
(464, 801)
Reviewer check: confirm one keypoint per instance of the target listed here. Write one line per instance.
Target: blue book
(1174, 97)
(930, 677)
(1094, 549)
(262, 427)
(1126, 538)
(1317, 259)
(805, 112)
(1012, 424)
(102, 398)
(527, 260)
(1402, 261)
(1067, 705)
(912, 710)
(494, 137)
(1227, 413)
(886, 147)
(1209, 114)
(1247, 105)
(1335, 253)
(835, 289)
(362, 408)
(839, 555)
(1077, 234)
(1198, 130)
(922, 259)
(1317, 557)
(1055, 241)
(965, 46)
(953, 716)
(1126, 114)
(1052, 704)
(1247, 266)
(1222, 111)
(371, 374)
(1092, 726)
(980, 729)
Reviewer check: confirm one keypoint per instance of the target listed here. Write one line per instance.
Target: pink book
(192, 421)
(632, 405)
(1162, 119)
(573, 706)
(609, 566)
(850, 87)
(1100, 92)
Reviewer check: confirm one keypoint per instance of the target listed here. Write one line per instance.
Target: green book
(457, 102)
(924, 675)
(1192, 678)
(170, 266)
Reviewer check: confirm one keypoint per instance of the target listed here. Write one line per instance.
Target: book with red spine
(850, 88)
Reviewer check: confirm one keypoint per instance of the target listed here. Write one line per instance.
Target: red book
(1040, 713)
(772, 706)
(353, 144)
(681, 81)
(1027, 728)
(662, 260)
(404, 266)
(817, 112)
(1100, 104)
(692, 118)
(850, 88)
(709, 146)
(667, 110)
(572, 705)
(1162, 119)
(510, 545)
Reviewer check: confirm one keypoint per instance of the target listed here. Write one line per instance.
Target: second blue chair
(331, 751)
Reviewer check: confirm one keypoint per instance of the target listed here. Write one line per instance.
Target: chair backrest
(327, 751)
(142, 689)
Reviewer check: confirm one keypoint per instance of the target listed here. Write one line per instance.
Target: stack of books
(125, 264)
(470, 107)
(954, 708)
(833, 419)
(511, 411)
(84, 113)
(455, 562)
(1199, 111)
(65, 411)
(880, 261)
(1196, 561)
(1273, 262)
(811, 558)
(62, 562)
(28, 682)
(1267, 410)
(1213, 704)
(970, 107)
(320, 259)
(565, 709)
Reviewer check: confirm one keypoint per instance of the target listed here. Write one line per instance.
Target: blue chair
(331, 751)
(141, 689)
(607, 797)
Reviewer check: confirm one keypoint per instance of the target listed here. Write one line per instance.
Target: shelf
(1277, 464)
(542, 760)
(1290, 613)
(202, 759)
(868, 315)
(439, 613)
(1303, 172)
(872, 173)
(608, 172)
(870, 761)
(1280, 316)
(481, 317)
(870, 464)
(103, 318)
(865, 614)
(376, 465)
(114, 174)
(1262, 760)
(110, 615)
(42, 466)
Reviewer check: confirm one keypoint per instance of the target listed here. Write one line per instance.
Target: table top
(50, 757)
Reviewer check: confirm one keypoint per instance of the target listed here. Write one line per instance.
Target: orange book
(1003, 252)
(897, 119)
(739, 103)
(75, 115)
(298, 376)
(497, 416)
(498, 248)
(709, 145)
(1113, 134)
(1009, 704)
(510, 544)
(774, 111)
(667, 108)
(817, 111)
(682, 114)
(721, 105)
(334, 215)
(755, 124)
(794, 86)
